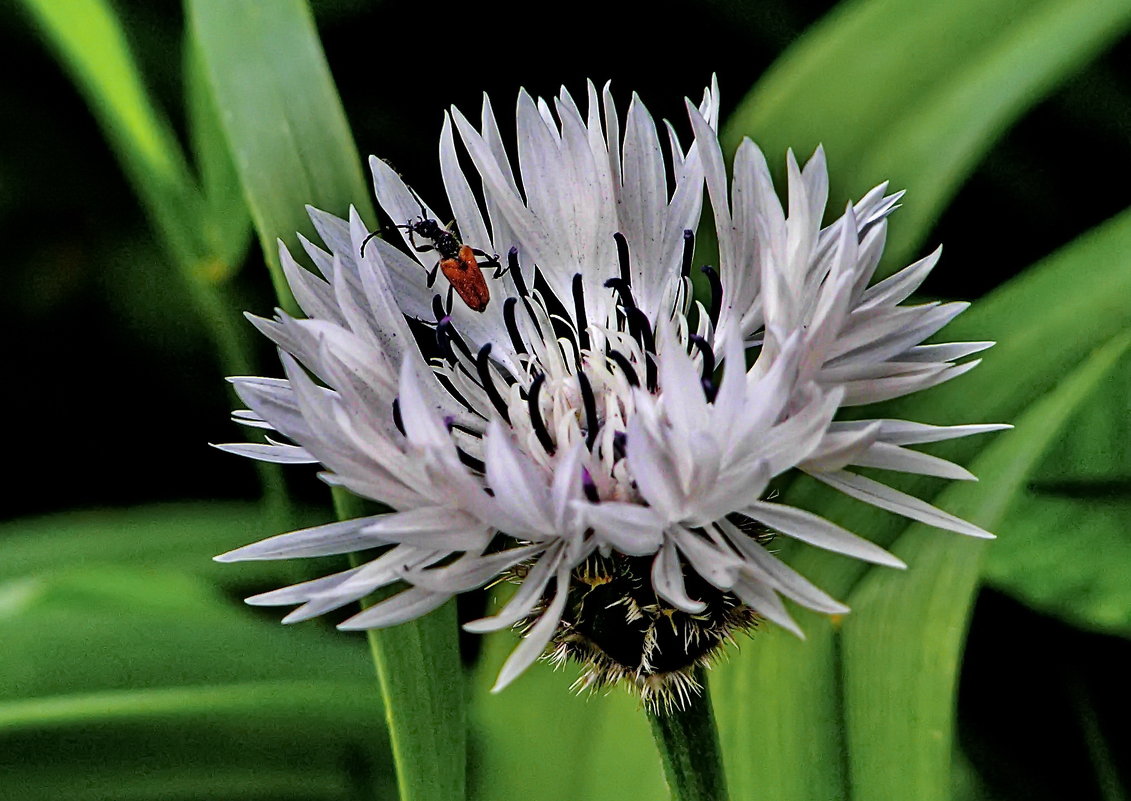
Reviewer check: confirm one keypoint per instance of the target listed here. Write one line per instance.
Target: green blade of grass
(1083, 487)
(181, 537)
(284, 122)
(308, 704)
(116, 661)
(902, 646)
(226, 222)
(280, 740)
(918, 93)
(423, 685)
(90, 42)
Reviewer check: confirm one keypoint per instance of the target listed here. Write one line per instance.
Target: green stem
(689, 748)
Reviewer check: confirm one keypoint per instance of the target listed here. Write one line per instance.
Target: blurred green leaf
(129, 682)
(914, 623)
(226, 223)
(918, 92)
(785, 696)
(1065, 547)
(280, 112)
(597, 748)
(90, 42)
(1105, 763)
(116, 627)
(176, 536)
(967, 783)
(1068, 557)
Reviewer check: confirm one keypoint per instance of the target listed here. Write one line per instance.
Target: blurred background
(115, 502)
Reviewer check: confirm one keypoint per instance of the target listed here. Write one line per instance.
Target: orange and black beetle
(458, 262)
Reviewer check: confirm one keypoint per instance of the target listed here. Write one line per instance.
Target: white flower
(591, 432)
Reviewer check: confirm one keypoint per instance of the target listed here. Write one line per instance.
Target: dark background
(111, 391)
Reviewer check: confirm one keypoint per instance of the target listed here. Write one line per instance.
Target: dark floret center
(615, 621)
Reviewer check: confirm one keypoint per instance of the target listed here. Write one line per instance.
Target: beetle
(458, 262)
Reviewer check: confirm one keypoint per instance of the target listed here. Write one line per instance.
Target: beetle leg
(451, 299)
(411, 237)
(491, 261)
(432, 275)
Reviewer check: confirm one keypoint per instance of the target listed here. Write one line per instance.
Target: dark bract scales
(617, 628)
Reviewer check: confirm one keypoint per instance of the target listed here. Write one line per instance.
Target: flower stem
(689, 748)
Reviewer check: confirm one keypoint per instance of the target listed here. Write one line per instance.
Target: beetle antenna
(419, 202)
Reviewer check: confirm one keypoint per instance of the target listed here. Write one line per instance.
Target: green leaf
(779, 702)
(90, 42)
(1069, 556)
(1064, 547)
(913, 624)
(422, 682)
(104, 627)
(918, 93)
(1104, 761)
(176, 536)
(226, 223)
(280, 112)
(107, 668)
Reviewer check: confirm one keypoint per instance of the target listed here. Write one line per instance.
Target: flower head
(568, 417)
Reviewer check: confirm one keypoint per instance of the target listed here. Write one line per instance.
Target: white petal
(404, 606)
(766, 603)
(297, 593)
(667, 580)
(529, 593)
(631, 529)
(333, 538)
(905, 432)
(431, 527)
(886, 456)
(810, 528)
(469, 571)
(279, 454)
(656, 476)
(708, 561)
(520, 486)
(536, 640)
(763, 567)
(883, 496)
